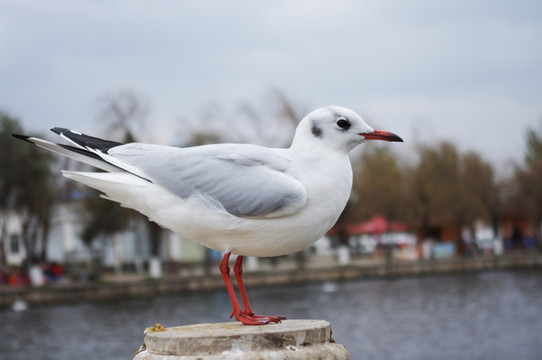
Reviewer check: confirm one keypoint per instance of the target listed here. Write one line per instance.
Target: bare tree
(527, 191)
(270, 123)
(124, 116)
(480, 192)
(452, 188)
(379, 186)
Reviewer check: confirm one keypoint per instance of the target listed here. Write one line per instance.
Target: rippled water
(495, 315)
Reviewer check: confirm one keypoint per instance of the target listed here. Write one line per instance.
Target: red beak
(381, 135)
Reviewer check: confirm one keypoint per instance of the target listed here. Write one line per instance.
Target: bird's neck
(316, 147)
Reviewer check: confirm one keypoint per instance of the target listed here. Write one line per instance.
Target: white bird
(243, 199)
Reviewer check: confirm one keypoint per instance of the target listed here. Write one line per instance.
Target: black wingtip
(85, 141)
(21, 137)
(59, 130)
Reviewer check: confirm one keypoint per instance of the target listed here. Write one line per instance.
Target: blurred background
(460, 82)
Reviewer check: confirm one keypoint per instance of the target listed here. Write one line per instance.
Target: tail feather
(119, 187)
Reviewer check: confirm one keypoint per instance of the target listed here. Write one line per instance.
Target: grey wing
(247, 181)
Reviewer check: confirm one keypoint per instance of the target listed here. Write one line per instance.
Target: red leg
(239, 316)
(247, 309)
(238, 271)
(225, 271)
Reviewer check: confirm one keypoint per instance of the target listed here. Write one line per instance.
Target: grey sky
(467, 71)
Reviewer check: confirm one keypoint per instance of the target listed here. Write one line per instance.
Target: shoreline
(77, 292)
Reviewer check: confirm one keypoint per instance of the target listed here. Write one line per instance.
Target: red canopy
(377, 225)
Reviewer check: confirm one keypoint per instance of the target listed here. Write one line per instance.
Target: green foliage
(26, 186)
(104, 217)
(9, 157)
(527, 194)
(534, 147)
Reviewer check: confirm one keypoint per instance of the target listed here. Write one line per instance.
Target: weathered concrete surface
(288, 340)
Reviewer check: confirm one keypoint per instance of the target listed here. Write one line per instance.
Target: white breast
(328, 187)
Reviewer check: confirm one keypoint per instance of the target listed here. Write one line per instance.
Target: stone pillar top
(290, 339)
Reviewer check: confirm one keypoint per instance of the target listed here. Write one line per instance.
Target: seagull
(240, 199)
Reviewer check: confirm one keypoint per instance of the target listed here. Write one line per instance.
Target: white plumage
(247, 199)
(235, 198)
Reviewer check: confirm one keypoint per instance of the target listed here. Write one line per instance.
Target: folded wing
(246, 180)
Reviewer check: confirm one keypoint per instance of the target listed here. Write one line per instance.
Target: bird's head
(338, 128)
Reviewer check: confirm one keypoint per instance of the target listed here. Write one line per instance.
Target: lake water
(492, 315)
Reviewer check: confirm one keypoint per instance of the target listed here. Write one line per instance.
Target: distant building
(14, 250)
(127, 249)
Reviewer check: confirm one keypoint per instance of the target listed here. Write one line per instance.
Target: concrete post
(288, 340)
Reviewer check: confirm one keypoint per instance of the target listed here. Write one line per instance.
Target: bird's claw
(252, 319)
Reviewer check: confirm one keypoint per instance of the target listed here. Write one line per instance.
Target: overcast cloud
(466, 71)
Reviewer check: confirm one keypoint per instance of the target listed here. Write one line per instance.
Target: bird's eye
(343, 124)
